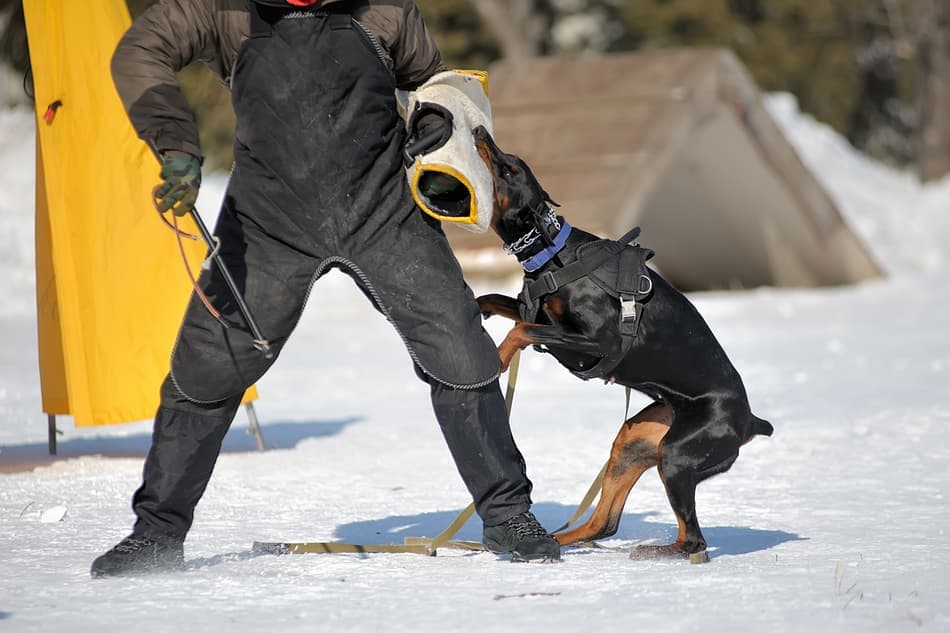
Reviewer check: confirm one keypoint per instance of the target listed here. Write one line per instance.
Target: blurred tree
(878, 71)
(13, 48)
(835, 56)
(529, 28)
(137, 6)
(930, 32)
(584, 26)
(210, 101)
(519, 25)
(459, 32)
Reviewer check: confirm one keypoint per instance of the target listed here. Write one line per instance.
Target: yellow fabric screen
(111, 286)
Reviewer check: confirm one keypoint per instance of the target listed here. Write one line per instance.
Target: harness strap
(550, 281)
(627, 279)
(630, 235)
(634, 286)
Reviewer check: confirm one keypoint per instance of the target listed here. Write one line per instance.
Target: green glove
(181, 173)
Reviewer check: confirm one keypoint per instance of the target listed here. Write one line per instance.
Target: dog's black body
(701, 414)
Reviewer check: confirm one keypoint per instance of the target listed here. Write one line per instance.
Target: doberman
(595, 306)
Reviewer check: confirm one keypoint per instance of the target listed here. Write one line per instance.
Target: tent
(679, 143)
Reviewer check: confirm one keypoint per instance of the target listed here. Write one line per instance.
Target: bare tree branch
(517, 25)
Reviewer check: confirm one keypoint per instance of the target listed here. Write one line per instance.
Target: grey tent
(679, 143)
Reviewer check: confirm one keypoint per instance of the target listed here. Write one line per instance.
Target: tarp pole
(51, 422)
(255, 425)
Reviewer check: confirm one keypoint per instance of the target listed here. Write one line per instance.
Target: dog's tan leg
(689, 539)
(516, 339)
(500, 305)
(634, 451)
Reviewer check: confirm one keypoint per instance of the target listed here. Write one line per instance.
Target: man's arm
(164, 39)
(415, 55)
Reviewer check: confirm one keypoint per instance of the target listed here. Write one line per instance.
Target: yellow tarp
(111, 287)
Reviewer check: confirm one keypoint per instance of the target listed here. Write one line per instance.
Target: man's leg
(412, 276)
(212, 366)
(186, 441)
(475, 426)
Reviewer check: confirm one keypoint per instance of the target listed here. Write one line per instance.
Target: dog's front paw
(484, 306)
(500, 305)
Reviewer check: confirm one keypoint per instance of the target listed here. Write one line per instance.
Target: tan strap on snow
(456, 525)
(597, 484)
(411, 544)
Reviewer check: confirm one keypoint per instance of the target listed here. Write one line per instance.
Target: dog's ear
(547, 198)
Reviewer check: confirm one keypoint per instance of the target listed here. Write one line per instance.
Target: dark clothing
(318, 183)
(171, 34)
(187, 437)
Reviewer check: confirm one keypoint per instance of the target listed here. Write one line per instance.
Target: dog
(602, 313)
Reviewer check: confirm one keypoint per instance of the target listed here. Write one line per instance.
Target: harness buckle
(628, 308)
(550, 283)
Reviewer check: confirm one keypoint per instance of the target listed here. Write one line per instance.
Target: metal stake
(259, 341)
(51, 421)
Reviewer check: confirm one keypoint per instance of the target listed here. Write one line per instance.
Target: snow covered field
(837, 523)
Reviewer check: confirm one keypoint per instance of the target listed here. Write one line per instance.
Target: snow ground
(836, 523)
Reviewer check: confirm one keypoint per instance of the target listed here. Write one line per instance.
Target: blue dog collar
(548, 253)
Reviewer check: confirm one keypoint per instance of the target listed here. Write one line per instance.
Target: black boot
(522, 537)
(136, 554)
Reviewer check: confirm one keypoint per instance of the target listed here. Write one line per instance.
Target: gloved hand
(181, 175)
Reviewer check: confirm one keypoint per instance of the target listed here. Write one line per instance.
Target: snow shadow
(735, 541)
(635, 528)
(277, 435)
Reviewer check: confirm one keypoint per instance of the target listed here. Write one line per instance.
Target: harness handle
(630, 235)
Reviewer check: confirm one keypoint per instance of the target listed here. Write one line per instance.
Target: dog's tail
(762, 427)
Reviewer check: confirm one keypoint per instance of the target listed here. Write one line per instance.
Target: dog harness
(619, 269)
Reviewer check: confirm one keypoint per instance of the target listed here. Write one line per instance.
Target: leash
(205, 264)
(445, 537)
(597, 485)
(411, 544)
(430, 546)
(214, 255)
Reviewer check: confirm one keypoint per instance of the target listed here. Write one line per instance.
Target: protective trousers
(318, 183)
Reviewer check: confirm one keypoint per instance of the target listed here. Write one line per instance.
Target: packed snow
(836, 523)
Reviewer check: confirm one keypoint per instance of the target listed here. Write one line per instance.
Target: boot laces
(133, 544)
(526, 526)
